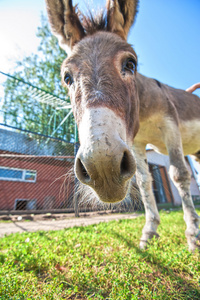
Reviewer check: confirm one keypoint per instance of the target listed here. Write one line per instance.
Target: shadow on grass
(161, 267)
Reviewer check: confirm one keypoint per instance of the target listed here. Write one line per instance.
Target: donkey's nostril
(81, 171)
(127, 166)
(124, 164)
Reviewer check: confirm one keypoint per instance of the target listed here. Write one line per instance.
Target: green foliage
(100, 262)
(43, 71)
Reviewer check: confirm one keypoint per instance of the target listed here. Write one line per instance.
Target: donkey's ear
(65, 23)
(121, 15)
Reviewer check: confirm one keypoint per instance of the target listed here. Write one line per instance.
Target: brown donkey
(119, 111)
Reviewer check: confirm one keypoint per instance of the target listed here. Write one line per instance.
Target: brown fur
(65, 22)
(141, 110)
(155, 96)
(69, 29)
(99, 68)
(121, 15)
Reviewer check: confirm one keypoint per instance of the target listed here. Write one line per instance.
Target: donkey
(118, 111)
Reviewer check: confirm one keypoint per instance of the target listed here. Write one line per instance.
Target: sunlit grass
(100, 262)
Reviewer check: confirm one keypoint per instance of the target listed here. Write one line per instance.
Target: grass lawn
(100, 262)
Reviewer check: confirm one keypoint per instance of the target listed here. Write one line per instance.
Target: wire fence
(37, 151)
(37, 175)
(36, 172)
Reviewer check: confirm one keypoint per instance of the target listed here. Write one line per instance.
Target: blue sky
(165, 37)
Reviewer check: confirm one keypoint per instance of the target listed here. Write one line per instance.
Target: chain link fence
(37, 146)
(37, 175)
(36, 172)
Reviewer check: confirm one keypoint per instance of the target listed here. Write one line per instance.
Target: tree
(24, 105)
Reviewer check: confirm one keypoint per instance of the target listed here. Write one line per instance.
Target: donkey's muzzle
(108, 173)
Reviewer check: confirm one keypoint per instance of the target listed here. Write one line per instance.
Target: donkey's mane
(93, 23)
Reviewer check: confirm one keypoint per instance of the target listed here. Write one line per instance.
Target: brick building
(32, 175)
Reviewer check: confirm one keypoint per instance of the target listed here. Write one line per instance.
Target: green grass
(100, 262)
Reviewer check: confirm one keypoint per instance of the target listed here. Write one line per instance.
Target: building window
(12, 174)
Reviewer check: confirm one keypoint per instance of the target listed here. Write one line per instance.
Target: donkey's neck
(156, 97)
(151, 96)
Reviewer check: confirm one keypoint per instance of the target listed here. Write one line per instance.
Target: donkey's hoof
(192, 246)
(193, 242)
(193, 239)
(146, 237)
(143, 244)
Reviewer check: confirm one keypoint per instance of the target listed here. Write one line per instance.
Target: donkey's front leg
(181, 178)
(144, 181)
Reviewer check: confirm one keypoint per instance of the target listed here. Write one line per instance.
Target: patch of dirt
(51, 216)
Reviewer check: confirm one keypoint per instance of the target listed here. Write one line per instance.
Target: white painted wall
(163, 160)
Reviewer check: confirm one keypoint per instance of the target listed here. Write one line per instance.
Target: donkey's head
(100, 74)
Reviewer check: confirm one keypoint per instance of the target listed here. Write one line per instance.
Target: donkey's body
(118, 109)
(161, 109)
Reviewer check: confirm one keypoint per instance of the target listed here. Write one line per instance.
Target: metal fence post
(76, 196)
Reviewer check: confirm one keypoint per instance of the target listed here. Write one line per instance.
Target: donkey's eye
(129, 65)
(68, 79)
